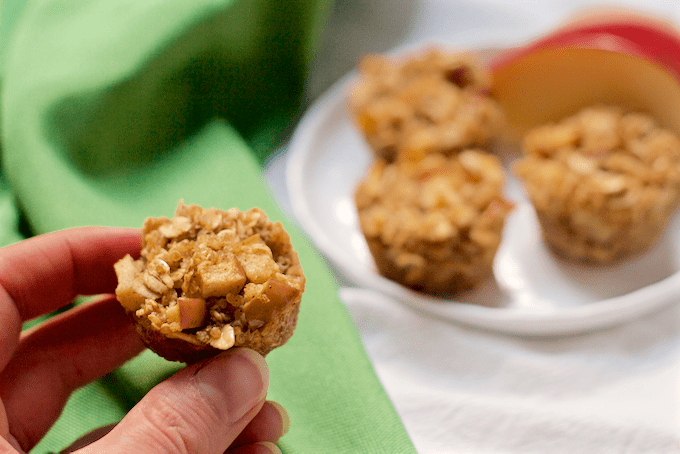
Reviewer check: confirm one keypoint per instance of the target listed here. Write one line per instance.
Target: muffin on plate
(604, 182)
(430, 102)
(208, 280)
(434, 224)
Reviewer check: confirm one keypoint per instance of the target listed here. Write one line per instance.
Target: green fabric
(114, 110)
(10, 232)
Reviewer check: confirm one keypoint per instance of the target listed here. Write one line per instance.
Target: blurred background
(498, 394)
(356, 27)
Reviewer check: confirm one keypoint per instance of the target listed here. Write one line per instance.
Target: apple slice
(626, 60)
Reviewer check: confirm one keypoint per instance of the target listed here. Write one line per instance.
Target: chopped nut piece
(226, 339)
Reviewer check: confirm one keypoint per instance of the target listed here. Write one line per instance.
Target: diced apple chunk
(271, 297)
(221, 278)
(191, 312)
(257, 259)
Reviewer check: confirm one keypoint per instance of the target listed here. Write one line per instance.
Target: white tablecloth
(462, 390)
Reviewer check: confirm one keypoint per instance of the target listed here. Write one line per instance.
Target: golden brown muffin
(208, 280)
(432, 102)
(434, 224)
(604, 183)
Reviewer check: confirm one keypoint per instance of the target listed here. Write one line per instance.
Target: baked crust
(435, 224)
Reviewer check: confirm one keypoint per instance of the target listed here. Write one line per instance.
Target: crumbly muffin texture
(604, 182)
(433, 102)
(434, 224)
(208, 280)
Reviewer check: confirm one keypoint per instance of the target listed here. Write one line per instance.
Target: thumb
(201, 409)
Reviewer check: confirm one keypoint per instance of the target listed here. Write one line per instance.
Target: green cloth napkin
(114, 110)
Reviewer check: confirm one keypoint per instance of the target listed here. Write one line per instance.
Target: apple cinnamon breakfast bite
(208, 280)
(434, 224)
(603, 182)
(431, 102)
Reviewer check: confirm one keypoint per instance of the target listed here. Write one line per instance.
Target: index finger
(46, 272)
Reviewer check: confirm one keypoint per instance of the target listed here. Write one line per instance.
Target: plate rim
(600, 314)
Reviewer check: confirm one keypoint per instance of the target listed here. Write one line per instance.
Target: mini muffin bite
(604, 182)
(432, 102)
(434, 224)
(208, 280)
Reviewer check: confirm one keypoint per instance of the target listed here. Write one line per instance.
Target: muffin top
(432, 102)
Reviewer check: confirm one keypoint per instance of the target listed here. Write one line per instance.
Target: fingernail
(285, 418)
(239, 378)
(270, 446)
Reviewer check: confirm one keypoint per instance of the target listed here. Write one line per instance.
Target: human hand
(212, 406)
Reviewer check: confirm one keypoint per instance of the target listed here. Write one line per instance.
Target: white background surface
(464, 390)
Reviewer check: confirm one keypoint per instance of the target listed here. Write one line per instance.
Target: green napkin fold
(114, 110)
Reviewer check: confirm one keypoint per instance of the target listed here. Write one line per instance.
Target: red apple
(618, 58)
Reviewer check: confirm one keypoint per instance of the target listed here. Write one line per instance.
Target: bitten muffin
(604, 183)
(432, 102)
(435, 224)
(208, 280)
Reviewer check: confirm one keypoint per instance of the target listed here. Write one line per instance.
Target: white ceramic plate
(531, 291)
